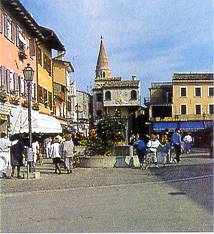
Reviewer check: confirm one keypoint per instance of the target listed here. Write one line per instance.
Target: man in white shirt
(187, 143)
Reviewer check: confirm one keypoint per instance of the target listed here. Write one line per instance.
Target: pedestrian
(55, 154)
(68, 150)
(153, 145)
(16, 152)
(47, 146)
(188, 140)
(35, 149)
(141, 146)
(4, 155)
(165, 147)
(176, 143)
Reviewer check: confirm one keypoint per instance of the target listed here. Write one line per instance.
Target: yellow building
(61, 71)
(44, 69)
(193, 96)
(186, 102)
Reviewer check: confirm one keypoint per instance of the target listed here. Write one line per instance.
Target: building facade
(187, 102)
(61, 71)
(114, 97)
(22, 42)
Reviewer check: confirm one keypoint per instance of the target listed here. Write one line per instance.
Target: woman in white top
(55, 148)
(153, 144)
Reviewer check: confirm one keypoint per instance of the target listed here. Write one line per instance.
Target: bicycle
(148, 160)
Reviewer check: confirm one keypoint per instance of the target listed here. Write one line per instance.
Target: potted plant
(25, 103)
(3, 96)
(35, 106)
(14, 100)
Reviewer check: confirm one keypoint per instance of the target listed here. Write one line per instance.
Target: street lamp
(28, 76)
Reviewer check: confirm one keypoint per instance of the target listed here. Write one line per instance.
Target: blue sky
(151, 39)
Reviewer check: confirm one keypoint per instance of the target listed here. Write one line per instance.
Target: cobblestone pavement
(190, 166)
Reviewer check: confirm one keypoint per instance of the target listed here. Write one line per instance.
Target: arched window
(108, 95)
(133, 95)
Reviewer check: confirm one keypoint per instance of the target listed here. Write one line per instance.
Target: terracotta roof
(52, 39)
(44, 34)
(192, 76)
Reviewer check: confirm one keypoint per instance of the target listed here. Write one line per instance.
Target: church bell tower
(103, 70)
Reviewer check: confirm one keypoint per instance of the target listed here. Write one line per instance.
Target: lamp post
(28, 76)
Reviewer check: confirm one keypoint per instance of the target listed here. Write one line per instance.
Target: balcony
(160, 101)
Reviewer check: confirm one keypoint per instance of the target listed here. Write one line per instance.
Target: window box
(14, 100)
(35, 106)
(22, 54)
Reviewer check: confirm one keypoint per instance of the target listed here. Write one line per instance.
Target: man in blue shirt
(176, 142)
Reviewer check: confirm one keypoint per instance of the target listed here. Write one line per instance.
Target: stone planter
(110, 162)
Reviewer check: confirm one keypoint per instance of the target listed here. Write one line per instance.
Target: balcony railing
(157, 100)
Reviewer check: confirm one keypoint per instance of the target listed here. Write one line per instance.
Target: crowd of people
(164, 144)
(59, 148)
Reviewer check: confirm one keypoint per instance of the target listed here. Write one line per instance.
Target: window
(183, 91)
(198, 109)
(50, 99)
(103, 74)
(183, 109)
(211, 109)
(39, 56)
(20, 38)
(198, 92)
(133, 95)
(9, 31)
(47, 64)
(45, 95)
(40, 94)
(99, 97)
(107, 95)
(211, 92)
(32, 47)
(99, 114)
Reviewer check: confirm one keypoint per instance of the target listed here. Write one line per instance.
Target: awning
(185, 125)
(41, 123)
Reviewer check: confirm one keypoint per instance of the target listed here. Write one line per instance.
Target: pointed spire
(102, 68)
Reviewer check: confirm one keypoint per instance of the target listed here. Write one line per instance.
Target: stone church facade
(112, 96)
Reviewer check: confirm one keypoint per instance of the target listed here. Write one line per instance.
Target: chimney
(133, 77)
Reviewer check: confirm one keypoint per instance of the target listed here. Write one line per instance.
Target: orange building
(23, 41)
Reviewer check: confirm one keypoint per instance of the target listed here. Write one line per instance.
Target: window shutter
(1, 21)
(16, 85)
(19, 86)
(8, 81)
(3, 72)
(34, 90)
(5, 26)
(17, 35)
(32, 47)
(13, 32)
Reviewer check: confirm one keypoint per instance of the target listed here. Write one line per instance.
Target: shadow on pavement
(198, 188)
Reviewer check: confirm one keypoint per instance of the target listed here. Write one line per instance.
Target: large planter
(110, 162)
